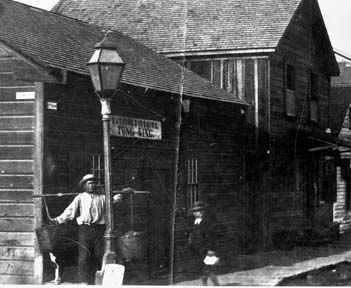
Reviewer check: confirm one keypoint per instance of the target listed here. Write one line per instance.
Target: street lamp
(105, 69)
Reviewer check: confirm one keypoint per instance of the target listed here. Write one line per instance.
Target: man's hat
(88, 177)
(198, 206)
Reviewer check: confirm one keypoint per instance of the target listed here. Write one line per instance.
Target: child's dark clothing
(202, 239)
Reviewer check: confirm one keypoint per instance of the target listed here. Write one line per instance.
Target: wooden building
(276, 55)
(340, 105)
(51, 135)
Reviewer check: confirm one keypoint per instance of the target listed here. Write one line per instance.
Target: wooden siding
(274, 149)
(300, 47)
(210, 132)
(74, 133)
(70, 140)
(341, 209)
(16, 178)
(216, 147)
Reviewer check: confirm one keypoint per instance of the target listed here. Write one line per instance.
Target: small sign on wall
(136, 128)
(52, 106)
(25, 95)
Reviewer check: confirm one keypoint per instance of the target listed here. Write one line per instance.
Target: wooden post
(38, 176)
(175, 182)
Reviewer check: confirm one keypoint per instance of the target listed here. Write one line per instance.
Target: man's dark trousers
(91, 247)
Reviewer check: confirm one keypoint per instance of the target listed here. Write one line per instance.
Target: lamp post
(105, 68)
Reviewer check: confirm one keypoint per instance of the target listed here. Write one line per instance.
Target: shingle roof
(169, 26)
(341, 97)
(344, 79)
(52, 40)
(339, 106)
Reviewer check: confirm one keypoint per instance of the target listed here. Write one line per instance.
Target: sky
(336, 15)
(44, 4)
(337, 18)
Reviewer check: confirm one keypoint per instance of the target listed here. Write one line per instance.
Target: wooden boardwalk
(279, 265)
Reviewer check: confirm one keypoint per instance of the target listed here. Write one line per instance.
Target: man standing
(88, 208)
(202, 243)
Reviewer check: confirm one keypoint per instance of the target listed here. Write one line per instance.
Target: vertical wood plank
(38, 175)
(175, 184)
(269, 97)
(240, 78)
(256, 91)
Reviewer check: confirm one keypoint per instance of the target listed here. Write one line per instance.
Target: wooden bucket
(133, 245)
(54, 237)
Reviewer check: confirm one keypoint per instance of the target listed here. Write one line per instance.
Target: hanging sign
(135, 128)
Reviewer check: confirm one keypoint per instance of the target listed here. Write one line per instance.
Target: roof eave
(174, 54)
(144, 85)
(46, 73)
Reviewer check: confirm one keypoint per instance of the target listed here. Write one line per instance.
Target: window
(290, 93)
(228, 74)
(322, 174)
(227, 71)
(290, 77)
(329, 179)
(98, 167)
(217, 73)
(202, 68)
(314, 110)
(234, 77)
(193, 181)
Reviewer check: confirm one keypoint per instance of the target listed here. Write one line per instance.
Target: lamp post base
(98, 277)
(108, 258)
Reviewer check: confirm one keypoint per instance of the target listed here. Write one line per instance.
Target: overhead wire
(136, 102)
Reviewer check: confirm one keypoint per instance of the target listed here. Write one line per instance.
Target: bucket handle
(47, 210)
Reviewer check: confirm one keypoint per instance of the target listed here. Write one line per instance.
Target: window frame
(290, 91)
(314, 96)
(234, 81)
(328, 179)
(192, 180)
(323, 172)
(97, 167)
